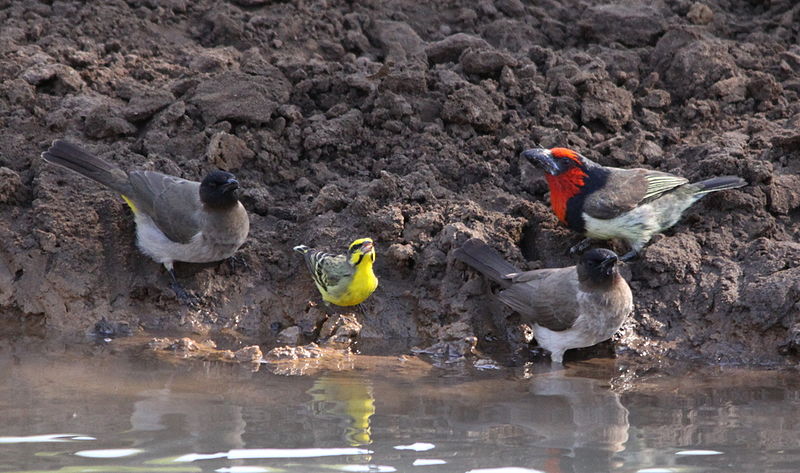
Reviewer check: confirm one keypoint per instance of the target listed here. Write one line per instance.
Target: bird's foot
(237, 261)
(185, 297)
(580, 247)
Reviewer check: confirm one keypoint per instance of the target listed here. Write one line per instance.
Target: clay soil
(402, 120)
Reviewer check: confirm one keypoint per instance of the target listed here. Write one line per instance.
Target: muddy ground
(402, 120)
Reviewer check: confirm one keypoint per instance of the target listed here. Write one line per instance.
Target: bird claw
(237, 261)
(186, 298)
(580, 247)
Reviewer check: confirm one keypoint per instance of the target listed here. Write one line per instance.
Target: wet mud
(402, 121)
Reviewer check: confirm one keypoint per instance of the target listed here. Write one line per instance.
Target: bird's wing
(627, 188)
(547, 297)
(171, 202)
(328, 270)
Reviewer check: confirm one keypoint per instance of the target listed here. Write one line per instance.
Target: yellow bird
(343, 280)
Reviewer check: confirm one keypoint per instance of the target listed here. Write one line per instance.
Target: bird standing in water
(573, 307)
(604, 202)
(176, 219)
(346, 279)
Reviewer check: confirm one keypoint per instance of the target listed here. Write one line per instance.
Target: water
(77, 411)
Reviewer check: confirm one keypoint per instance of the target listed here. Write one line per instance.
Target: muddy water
(78, 412)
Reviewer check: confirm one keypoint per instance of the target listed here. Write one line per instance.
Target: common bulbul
(602, 202)
(176, 219)
(573, 307)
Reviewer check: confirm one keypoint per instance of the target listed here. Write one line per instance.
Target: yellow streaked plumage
(130, 203)
(346, 279)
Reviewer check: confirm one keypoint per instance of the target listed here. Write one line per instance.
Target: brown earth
(402, 120)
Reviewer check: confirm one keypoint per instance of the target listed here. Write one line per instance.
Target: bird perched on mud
(176, 219)
(574, 307)
(343, 280)
(603, 202)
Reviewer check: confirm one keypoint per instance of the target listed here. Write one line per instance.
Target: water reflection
(77, 413)
(347, 397)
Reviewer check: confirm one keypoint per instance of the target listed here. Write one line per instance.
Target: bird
(603, 202)
(343, 280)
(572, 307)
(176, 219)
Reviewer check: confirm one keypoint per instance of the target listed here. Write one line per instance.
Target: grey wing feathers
(625, 189)
(327, 269)
(171, 202)
(486, 260)
(547, 297)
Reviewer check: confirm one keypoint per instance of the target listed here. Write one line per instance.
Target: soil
(403, 121)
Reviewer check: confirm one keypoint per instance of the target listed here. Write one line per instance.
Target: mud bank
(403, 121)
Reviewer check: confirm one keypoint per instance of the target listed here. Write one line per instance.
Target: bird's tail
(718, 184)
(486, 260)
(76, 159)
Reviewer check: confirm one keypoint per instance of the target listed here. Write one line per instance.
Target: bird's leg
(580, 247)
(629, 256)
(181, 293)
(237, 261)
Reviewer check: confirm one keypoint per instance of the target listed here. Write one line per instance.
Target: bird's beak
(367, 247)
(544, 159)
(231, 184)
(607, 265)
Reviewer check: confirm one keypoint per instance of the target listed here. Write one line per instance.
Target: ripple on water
(249, 453)
(417, 447)
(109, 453)
(505, 469)
(46, 438)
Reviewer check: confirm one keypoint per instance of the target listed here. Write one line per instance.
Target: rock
(57, 79)
(142, 107)
(512, 8)
(607, 103)
(330, 197)
(399, 41)
(239, 97)
(471, 105)
(784, 193)
(294, 353)
(249, 354)
(631, 25)
(342, 131)
(689, 65)
(10, 186)
(485, 61)
(228, 151)
(401, 254)
(700, 14)
(731, 90)
(450, 48)
(340, 329)
(289, 335)
(656, 98)
(106, 121)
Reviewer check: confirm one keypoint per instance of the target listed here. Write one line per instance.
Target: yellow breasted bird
(346, 279)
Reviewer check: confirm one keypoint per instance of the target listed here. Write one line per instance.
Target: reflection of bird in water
(346, 397)
(579, 414)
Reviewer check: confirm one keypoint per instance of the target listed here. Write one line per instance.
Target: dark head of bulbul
(219, 190)
(598, 267)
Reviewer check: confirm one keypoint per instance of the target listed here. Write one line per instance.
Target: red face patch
(562, 188)
(565, 153)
